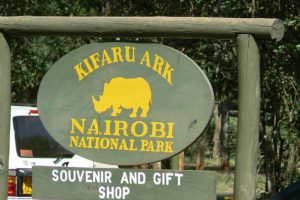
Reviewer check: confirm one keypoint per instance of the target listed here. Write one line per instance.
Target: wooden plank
(179, 27)
(248, 118)
(175, 162)
(4, 114)
(82, 183)
(181, 161)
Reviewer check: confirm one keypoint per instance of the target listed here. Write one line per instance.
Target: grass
(225, 180)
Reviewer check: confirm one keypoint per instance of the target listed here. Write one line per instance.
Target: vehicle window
(32, 139)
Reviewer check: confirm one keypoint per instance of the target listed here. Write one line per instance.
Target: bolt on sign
(82, 183)
(125, 103)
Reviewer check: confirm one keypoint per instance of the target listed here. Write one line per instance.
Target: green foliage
(281, 102)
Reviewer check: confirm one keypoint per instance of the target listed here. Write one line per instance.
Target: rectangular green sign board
(90, 183)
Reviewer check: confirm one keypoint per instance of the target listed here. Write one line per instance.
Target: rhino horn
(105, 85)
(95, 102)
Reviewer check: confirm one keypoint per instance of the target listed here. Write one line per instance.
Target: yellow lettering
(158, 130)
(123, 145)
(137, 129)
(105, 58)
(97, 142)
(144, 143)
(95, 60)
(128, 54)
(117, 54)
(144, 129)
(107, 125)
(104, 143)
(120, 126)
(132, 146)
(160, 146)
(88, 65)
(82, 143)
(147, 145)
(150, 146)
(167, 74)
(80, 72)
(171, 129)
(73, 141)
(90, 141)
(76, 124)
(114, 143)
(146, 59)
(169, 147)
(94, 127)
(158, 64)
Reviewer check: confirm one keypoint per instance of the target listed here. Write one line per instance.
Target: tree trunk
(224, 137)
(217, 132)
(200, 154)
(200, 161)
(106, 9)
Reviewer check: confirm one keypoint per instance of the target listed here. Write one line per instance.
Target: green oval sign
(125, 103)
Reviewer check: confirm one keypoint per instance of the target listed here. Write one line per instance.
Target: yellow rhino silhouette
(131, 93)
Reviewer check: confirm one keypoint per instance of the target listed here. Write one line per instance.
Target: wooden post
(4, 114)
(248, 118)
(175, 162)
(181, 161)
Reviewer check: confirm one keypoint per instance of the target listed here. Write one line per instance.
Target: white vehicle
(31, 145)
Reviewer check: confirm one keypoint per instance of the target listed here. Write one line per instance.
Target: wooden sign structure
(177, 27)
